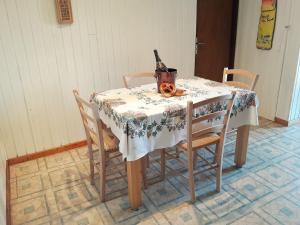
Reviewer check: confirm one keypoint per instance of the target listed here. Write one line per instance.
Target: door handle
(200, 43)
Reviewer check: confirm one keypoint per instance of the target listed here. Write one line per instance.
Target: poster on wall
(266, 24)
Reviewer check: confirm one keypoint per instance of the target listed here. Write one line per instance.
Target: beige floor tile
(89, 216)
(23, 169)
(185, 214)
(64, 176)
(60, 159)
(29, 185)
(29, 210)
(72, 196)
(13, 189)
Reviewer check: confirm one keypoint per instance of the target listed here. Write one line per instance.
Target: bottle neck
(160, 66)
(157, 58)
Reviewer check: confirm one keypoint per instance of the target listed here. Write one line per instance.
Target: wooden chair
(251, 77)
(105, 142)
(252, 80)
(130, 77)
(199, 137)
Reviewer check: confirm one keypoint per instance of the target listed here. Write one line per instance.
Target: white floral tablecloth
(143, 120)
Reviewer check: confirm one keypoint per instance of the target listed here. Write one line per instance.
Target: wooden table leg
(241, 145)
(134, 170)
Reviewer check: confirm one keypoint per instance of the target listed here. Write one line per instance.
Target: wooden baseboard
(282, 121)
(8, 218)
(32, 156)
(48, 152)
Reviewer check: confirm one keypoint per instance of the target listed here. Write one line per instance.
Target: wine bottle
(160, 66)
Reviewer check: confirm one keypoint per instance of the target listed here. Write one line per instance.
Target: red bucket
(165, 77)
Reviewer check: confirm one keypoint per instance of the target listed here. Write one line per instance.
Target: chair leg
(162, 164)
(102, 174)
(191, 176)
(92, 169)
(219, 167)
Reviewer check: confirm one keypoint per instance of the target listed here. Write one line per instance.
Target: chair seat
(110, 142)
(201, 142)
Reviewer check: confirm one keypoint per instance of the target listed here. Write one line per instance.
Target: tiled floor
(56, 189)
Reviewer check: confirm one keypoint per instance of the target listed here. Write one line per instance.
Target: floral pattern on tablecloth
(244, 101)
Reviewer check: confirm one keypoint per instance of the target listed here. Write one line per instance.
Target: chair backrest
(251, 77)
(92, 123)
(128, 78)
(217, 112)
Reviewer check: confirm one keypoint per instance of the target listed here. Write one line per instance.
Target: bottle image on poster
(266, 24)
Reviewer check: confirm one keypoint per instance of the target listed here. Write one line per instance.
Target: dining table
(144, 120)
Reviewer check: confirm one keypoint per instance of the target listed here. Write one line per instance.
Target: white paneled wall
(289, 95)
(267, 63)
(41, 61)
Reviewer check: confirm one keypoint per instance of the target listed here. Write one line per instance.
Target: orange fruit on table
(167, 89)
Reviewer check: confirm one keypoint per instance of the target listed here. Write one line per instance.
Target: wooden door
(215, 41)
